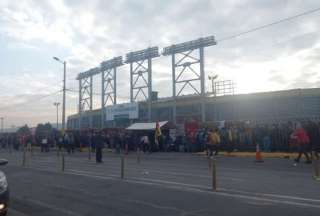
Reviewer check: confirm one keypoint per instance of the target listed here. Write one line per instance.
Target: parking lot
(158, 184)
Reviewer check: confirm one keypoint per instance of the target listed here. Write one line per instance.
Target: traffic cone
(258, 154)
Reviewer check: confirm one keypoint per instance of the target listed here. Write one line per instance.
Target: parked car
(4, 191)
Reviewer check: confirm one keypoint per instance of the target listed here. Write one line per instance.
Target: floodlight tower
(109, 83)
(141, 72)
(184, 71)
(85, 91)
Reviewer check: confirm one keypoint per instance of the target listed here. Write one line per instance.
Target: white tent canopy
(146, 126)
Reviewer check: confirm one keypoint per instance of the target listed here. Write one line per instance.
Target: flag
(158, 129)
(157, 133)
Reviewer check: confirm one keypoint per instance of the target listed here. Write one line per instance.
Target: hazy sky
(85, 33)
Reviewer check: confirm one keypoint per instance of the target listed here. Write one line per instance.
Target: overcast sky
(85, 33)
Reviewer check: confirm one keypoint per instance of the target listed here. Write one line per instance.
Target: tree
(24, 131)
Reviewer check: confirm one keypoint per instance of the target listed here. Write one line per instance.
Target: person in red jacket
(302, 139)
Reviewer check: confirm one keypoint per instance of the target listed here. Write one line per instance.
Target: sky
(86, 32)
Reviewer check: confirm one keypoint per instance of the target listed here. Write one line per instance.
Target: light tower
(141, 74)
(86, 92)
(185, 58)
(109, 84)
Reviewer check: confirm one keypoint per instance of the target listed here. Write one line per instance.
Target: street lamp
(64, 93)
(57, 106)
(212, 78)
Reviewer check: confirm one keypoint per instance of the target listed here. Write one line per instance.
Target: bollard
(138, 156)
(63, 162)
(24, 157)
(316, 167)
(89, 152)
(214, 174)
(122, 167)
(31, 150)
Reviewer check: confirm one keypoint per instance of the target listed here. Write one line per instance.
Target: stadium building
(188, 71)
(278, 106)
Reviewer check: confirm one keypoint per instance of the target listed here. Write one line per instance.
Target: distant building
(256, 107)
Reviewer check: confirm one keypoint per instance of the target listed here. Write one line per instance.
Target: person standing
(98, 139)
(257, 136)
(66, 141)
(117, 142)
(314, 135)
(44, 143)
(302, 139)
(267, 141)
(229, 138)
(145, 143)
(71, 143)
(214, 141)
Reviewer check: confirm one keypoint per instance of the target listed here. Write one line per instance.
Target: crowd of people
(303, 136)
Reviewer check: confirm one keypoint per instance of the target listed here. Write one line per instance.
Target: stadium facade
(275, 106)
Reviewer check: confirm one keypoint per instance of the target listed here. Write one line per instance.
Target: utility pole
(64, 97)
(57, 106)
(64, 93)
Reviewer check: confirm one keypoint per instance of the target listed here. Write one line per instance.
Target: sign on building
(127, 110)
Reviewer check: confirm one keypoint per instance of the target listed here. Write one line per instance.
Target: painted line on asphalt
(192, 185)
(113, 159)
(151, 171)
(91, 173)
(15, 212)
(201, 189)
(271, 195)
(46, 205)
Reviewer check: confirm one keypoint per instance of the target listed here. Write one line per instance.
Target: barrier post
(24, 156)
(138, 155)
(316, 166)
(31, 149)
(214, 174)
(89, 152)
(63, 162)
(122, 166)
(58, 151)
(10, 148)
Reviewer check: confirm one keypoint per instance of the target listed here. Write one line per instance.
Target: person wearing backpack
(303, 140)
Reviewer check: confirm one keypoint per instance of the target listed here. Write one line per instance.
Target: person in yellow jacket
(213, 142)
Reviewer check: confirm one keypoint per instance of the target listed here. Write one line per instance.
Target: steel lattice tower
(188, 61)
(109, 84)
(141, 71)
(86, 91)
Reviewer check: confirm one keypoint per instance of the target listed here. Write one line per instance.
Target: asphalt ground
(161, 184)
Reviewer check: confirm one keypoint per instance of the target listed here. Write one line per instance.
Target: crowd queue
(302, 136)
